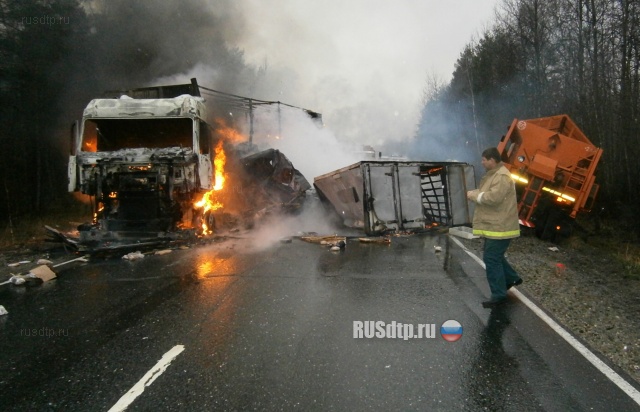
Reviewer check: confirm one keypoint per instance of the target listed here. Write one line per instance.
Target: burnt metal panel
(157, 92)
(380, 196)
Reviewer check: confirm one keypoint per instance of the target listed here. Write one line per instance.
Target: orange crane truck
(553, 164)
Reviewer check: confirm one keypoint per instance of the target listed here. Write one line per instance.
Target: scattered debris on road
(324, 240)
(133, 256)
(340, 245)
(16, 264)
(379, 239)
(43, 272)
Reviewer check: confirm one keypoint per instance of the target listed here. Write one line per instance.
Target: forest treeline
(547, 57)
(57, 55)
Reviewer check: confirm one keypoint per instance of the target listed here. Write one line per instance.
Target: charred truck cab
(143, 162)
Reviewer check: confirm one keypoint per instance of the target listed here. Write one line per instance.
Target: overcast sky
(362, 63)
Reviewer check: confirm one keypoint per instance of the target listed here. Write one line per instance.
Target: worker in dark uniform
(496, 220)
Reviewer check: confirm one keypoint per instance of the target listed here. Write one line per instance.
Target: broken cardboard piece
(43, 272)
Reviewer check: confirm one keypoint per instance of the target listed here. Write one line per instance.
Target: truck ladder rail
(529, 199)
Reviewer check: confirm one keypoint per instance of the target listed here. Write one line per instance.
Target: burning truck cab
(143, 162)
(155, 170)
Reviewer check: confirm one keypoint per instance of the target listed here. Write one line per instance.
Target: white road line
(583, 350)
(147, 379)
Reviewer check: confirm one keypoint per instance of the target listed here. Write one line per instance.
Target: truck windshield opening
(104, 135)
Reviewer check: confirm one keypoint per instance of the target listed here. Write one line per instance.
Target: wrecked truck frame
(142, 162)
(412, 196)
(145, 159)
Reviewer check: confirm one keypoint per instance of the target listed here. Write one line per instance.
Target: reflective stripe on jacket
(496, 213)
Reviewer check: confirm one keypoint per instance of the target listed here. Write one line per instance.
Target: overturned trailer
(381, 196)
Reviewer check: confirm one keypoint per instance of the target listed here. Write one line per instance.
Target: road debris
(16, 264)
(379, 239)
(338, 246)
(324, 240)
(43, 272)
(3, 311)
(79, 259)
(438, 248)
(23, 280)
(17, 280)
(163, 252)
(133, 256)
(553, 249)
(44, 262)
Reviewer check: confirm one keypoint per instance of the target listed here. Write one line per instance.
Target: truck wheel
(557, 226)
(210, 220)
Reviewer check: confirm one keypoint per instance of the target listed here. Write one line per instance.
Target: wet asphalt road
(272, 329)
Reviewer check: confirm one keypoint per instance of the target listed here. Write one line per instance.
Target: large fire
(229, 134)
(218, 163)
(209, 201)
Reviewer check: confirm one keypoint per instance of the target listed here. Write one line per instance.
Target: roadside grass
(618, 240)
(25, 230)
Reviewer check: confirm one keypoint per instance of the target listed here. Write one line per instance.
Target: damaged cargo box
(380, 196)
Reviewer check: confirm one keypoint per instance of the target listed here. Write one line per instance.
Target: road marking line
(583, 350)
(147, 379)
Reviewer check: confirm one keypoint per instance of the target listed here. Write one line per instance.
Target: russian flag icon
(451, 330)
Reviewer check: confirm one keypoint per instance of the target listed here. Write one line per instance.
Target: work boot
(493, 303)
(516, 283)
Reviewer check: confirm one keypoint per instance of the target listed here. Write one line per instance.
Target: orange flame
(229, 134)
(209, 202)
(219, 162)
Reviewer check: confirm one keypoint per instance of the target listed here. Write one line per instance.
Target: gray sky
(362, 63)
